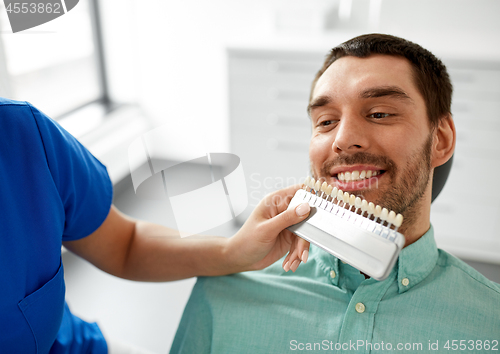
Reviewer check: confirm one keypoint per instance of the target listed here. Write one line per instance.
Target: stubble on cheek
(406, 195)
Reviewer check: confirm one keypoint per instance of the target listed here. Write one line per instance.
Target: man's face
(368, 119)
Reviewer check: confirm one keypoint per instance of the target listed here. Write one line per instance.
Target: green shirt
(431, 302)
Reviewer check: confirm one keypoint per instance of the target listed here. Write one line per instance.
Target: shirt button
(405, 281)
(332, 274)
(360, 307)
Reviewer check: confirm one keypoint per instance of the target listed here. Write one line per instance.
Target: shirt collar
(415, 262)
(328, 264)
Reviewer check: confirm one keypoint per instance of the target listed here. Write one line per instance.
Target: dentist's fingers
(299, 252)
(292, 255)
(288, 217)
(303, 249)
(295, 265)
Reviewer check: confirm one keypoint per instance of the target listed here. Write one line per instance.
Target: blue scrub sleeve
(81, 180)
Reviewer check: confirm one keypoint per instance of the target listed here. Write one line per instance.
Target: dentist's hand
(263, 239)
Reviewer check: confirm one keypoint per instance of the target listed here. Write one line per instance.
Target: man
(54, 191)
(381, 104)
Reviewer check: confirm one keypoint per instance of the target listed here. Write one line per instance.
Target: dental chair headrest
(440, 176)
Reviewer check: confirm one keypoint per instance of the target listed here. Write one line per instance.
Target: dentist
(55, 192)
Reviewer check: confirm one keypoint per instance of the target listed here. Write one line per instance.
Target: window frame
(104, 99)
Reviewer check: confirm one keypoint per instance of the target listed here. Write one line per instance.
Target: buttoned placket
(414, 264)
(357, 326)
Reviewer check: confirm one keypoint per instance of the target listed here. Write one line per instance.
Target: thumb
(290, 217)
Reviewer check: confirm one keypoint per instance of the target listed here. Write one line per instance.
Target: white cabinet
(269, 125)
(466, 216)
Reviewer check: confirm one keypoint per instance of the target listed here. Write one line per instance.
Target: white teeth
(356, 175)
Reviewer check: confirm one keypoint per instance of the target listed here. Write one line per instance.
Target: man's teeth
(356, 175)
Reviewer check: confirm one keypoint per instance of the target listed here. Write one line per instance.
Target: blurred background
(111, 70)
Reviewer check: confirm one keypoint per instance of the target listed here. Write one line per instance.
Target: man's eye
(326, 122)
(379, 115)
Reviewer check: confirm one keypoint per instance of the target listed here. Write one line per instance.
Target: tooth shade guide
(357, 240)
(317, 186)
(306, 182)
(349, 201)
(398, 220)
(364, 206)
(340, 196)
(352, 200)
(391, 217)
(371, 208)
(328, 191)
(384, 214)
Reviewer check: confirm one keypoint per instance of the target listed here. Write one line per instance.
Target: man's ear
(444, 141)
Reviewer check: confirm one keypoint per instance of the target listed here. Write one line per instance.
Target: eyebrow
(318, 102)
(382, 91)
(374, 92)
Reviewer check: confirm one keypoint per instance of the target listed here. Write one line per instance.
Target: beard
(403, 194)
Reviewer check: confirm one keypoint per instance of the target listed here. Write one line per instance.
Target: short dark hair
(430, 74)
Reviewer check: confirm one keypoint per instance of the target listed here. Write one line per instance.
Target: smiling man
(370, 120)
(381, 123)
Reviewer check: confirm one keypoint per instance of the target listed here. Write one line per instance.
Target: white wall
(172, 54)
(169, 56)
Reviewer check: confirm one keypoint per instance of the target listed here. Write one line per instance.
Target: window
(56, 66)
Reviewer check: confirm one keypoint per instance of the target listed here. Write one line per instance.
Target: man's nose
(351, 134)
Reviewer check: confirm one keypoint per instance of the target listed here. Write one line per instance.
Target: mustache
(359, 158)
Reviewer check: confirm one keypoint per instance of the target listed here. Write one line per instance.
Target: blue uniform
(52, 190)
